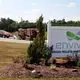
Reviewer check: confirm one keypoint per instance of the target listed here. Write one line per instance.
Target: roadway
(14, 40)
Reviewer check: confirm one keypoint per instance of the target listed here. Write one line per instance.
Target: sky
(32, 9)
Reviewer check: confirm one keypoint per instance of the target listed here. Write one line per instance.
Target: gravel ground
(17, 70)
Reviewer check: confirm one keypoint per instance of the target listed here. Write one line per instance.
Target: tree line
(12, 25)
(62, 22)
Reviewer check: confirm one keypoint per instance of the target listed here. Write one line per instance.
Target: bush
(38, 50)
(45, 35)
(75, 61)
(78, 64)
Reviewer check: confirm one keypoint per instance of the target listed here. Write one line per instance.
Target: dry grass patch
(11, 50)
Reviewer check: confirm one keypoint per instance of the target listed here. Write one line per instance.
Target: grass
(11, 50)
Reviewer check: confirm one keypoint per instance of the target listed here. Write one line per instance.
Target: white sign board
(65, 40)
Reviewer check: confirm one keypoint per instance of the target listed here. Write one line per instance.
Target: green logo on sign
(73, 36)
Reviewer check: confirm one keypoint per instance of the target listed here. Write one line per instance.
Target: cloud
(73, 17)
(71, 5)
(58, 4)
(32, 15)
(0, 1)
(34, 4)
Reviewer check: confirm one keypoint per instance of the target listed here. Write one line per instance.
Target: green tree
(6, 24)
(63, 21)
(38, 49)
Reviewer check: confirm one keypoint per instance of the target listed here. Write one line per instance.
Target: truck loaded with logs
(27, 34)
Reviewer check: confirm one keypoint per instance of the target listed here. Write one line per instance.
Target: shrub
(78, 64)
(38, 49)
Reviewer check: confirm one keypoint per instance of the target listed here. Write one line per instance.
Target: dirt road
(13, 40)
